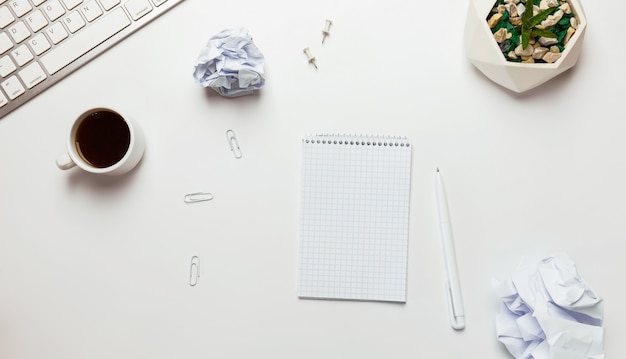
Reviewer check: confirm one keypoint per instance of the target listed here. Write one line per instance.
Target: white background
(95, 267)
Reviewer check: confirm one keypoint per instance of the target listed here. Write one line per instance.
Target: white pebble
(547, 41)
(528, 51)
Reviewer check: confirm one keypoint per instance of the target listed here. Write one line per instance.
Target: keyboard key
(36, 21)
(32, 75)
(56, 33)
(138, 8)
(74, 21)
(5, 43)
(3, 100)
(22, 55)
(38, 2)
(91, 10)
(6, 66)
(13, 87)
(70, 4)
(19, 32)
(5, 17)
(85, 40)
(53, 9)
(20, 7)
(39, 44)
(109, 4)
(159, 2)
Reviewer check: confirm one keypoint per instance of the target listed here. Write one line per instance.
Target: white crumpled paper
(231, 64)
(549, 312)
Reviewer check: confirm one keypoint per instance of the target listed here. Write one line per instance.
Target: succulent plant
(529, 27)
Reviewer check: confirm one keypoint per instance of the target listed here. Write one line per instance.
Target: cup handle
(64, 162)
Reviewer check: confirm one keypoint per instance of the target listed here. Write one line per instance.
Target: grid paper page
(354, 226)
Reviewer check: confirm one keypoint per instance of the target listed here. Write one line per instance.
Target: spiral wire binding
(357, 140)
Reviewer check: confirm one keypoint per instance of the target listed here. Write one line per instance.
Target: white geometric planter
(484, 53)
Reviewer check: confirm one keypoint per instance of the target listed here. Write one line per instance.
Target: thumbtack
(309, 57)
(326, 30)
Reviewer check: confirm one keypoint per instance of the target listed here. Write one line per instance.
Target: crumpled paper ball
(231, 64)
(549, 312)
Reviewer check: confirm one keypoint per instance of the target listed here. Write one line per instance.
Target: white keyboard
(42, 41)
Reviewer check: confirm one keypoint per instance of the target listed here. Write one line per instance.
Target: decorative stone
(551, 20)
(528, 51)
(566, 8)
(539, 52)
(548, 41)
(512, 10)
(546, 4)
(485, 54)
(493, 21)
(551, 57)
(568, 35)
(502, 35)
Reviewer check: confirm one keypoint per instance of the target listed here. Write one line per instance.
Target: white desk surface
(96, 267)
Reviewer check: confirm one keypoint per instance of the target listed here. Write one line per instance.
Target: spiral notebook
(354, 219)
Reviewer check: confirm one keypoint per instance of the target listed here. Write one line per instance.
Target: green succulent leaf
(528, 12)
(525, 37)
(543, 33)
(537, 19)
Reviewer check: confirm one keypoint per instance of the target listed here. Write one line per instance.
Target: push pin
(309, 57)
(326, 30)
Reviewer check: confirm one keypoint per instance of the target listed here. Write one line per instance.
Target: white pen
(453, 286)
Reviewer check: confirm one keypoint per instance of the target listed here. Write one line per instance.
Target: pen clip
(456, 321)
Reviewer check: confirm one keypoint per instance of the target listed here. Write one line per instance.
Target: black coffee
(103, 138)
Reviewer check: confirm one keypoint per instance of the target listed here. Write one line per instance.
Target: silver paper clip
(198, 197)
(194, 271)
(234, 144)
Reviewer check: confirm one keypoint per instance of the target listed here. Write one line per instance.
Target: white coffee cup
(103, 141)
